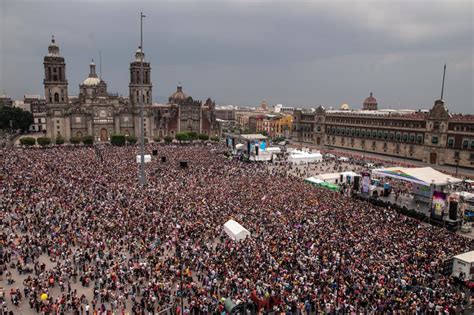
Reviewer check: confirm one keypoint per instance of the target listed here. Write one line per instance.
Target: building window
(465, 144)
(456, 154)
(405, 137)
(56, 97)
(399, 136)
(434, 139)
(451, 142)
(419, 139)
(471, 157)
(412, 138)
(472, 144)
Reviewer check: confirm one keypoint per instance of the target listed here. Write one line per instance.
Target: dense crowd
(82, 236)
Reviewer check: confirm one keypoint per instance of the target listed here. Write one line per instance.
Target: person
(73, 215)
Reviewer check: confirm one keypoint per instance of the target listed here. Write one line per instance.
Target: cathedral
(100, 114)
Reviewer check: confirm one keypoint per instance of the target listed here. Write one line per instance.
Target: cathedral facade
(100, 114)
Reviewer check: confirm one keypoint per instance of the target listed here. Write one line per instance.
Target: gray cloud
(291, 52)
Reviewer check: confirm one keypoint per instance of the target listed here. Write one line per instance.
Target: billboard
(365, 187)
(439, 204)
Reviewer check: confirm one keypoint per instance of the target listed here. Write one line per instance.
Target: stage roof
(419, 175)
(253, 137)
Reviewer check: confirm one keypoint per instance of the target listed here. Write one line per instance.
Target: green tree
(43, 141)
(132, 139)
(182, 136)
(28, 141)
(215, 139)
(75, 140)
(88, 140)
(193, 135)
(168, 139)
(203, 137)
(18, 118)
(117, 140)
(264, 133)
(59, 140)
(157, 139)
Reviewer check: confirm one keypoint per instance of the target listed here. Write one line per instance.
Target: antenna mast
(100, 65)
(442, 86)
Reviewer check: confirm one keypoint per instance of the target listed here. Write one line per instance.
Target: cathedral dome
(370, 103)
(370, 100)
(92, 79)
(345, 106)
(178, 96)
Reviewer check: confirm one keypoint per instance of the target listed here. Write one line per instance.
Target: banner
(365, 182)
(439, 204)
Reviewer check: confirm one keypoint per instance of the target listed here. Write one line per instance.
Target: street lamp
(457, 166)
(142, 178)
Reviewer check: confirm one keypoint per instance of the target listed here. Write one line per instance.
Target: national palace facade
(433, 136)
(100, 114)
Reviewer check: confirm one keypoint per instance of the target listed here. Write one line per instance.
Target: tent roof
(235, 227)
(467, 257)
(253, 137)
(420, 175)
(328, 176)
(314, 180)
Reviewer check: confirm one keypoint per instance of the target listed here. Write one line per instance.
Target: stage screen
(439, 204)
(365, 182)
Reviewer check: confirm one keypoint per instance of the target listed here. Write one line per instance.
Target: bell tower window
(56, 97)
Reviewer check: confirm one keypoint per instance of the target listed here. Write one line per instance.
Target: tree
(192, 135)
(15, 118)
(168, 139)
(132, 139)
(203, 137)
(28, 141)
(43, 141)
(75, 140)
(117, 140)
(182, 136)
(157, 139)
(215, 139)
(88, 140)
(59, 140)
(264, 133)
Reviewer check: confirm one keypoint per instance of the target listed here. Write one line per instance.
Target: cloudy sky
(299, 53)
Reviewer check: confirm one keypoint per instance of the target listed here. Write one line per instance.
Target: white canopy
(425, 176)
(147, 158)
(298, 157)
(235, 231)
(314, 180)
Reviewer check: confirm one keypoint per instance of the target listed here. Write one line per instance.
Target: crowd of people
(80, 235)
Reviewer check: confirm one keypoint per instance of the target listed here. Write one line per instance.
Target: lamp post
(457, 166)
(142, 179)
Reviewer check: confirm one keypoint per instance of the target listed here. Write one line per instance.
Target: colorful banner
(439, 204)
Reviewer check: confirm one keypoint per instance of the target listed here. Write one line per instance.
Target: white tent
(299, 157)
(147, 158)
(343, 159)
(425, 176)
(313, 180)
(235, 231)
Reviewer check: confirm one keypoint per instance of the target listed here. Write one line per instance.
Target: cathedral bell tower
(55, 83)
(55, 93)
(140, 91)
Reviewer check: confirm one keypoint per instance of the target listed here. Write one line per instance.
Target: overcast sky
(297, 53)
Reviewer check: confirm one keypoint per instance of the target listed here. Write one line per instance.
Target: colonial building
(99, 113)
(435, 136)
(37, 106)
